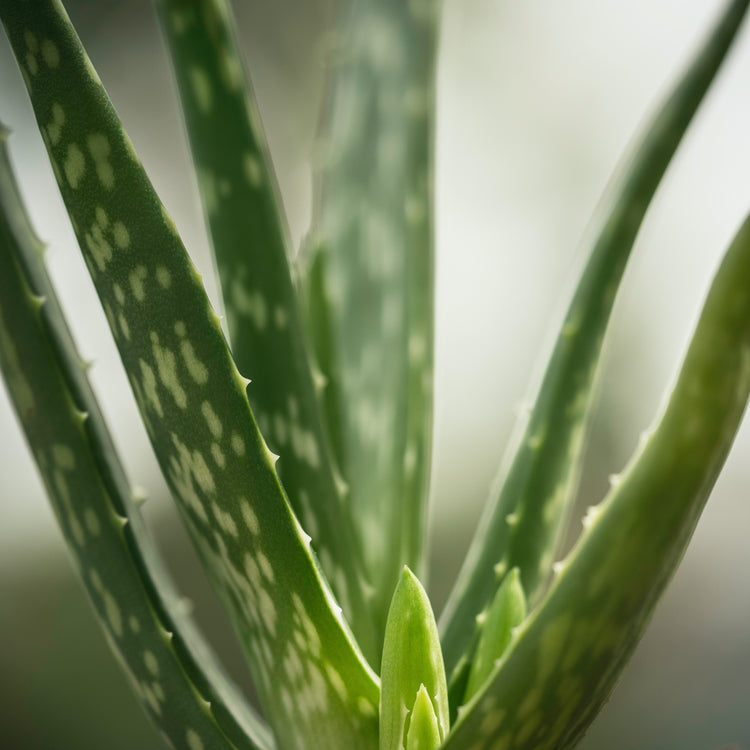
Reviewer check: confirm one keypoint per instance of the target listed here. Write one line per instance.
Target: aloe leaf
(367, 274)
(521, 524)
(423, 732)
(506, 613)
(567, 655)
(412, 662)
(243, 212)
(173, 674)
(311, 677)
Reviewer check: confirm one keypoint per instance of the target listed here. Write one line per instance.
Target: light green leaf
(310, 675)
(522, 522)
(506, 613)
(368, 274)
(243, 213)
(566, 657)
(411, 662)
(173, 674)
(423, 732)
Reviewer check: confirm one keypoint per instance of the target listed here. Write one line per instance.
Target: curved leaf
(522, 523)
(311, 678)
(174, 676)
(563, 664)
(243, 212)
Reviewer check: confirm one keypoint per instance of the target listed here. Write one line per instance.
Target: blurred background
(537, 100)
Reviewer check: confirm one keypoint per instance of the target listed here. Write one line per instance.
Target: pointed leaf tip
(506, 613)
(412, 662)
(423, 732)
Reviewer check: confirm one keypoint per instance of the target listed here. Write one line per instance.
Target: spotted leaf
(310, 675)
(368, 271)
(564, 661)
(522, 522)
(243, 213)
(170, 667)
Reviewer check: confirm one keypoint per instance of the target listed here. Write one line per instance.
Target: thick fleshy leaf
(506, 613)
(311, 677)
(244, 217)
(174, 676)
(411, 662)
(423, 732)
(367, 274)
(522, 522)
(563, 663)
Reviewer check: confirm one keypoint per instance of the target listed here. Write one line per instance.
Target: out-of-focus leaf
(522, 523)
(367, 274)
(243, 213)
(311, 677)
(562, 665)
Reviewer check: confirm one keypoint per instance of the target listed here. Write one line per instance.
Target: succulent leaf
(368, 274)
(243, 212)
(521, 523)
(311, 677)
(506, 613)
(174, 676)
(412, 662)
(423, 732)
(567, 655)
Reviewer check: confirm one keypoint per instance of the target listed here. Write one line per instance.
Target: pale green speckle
(136, 278)
(124, 326)
(31, 41)
(163, 277)
(238, 444)
(231, 70)
(31, 64)
(280, 318)
(213, 422)
(74, 166)
(251, 520)
(112, 611)
(151, 662)
(218, 455)
(50, 53)
(63, 457)
(202, 90)
(118, 294)
(92, 521)
(54, 128)
(99, 148)
(194, 742)
(198, 371)
(166, 366)
(253, 169)
(149, 388)
(121, 235)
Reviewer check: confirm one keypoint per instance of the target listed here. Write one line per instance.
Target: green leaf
(174, 676)
(243, 212)
(412, 662)
(311, 678)
(521, 524)
(506, 613)
(564, 661)
(423, 732)
(368, 274)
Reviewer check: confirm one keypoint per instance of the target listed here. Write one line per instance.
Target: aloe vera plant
(304, 489)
